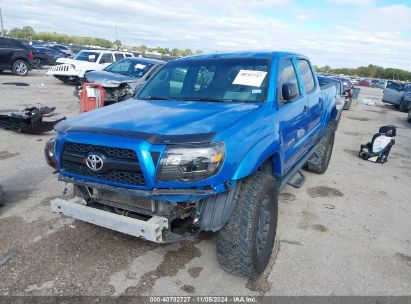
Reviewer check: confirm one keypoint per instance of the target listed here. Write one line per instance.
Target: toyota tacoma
(207, 144)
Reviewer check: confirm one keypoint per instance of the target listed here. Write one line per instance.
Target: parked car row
(398, 94)
(15, 56)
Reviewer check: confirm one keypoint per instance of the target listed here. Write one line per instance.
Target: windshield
(130, 67)
(217, 79)
(87, 56)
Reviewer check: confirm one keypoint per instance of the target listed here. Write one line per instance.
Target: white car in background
(73, 70)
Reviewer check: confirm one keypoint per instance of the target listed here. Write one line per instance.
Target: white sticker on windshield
(250, 78)
(257, 91)
(139, 66)
(91, 57)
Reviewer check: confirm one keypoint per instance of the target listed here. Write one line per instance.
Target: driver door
(292, 115)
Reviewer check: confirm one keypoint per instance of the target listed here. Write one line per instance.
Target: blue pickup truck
(207, 144)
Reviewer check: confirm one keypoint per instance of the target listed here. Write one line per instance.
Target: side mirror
(289, 91)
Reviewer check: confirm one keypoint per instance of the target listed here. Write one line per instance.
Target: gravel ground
(347, 232)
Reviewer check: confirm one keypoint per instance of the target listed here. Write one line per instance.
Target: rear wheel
(402, 107)
(1, 196)
(324, 151)
(245, 243)
(38, 63)
(347, 104)
(20, 68)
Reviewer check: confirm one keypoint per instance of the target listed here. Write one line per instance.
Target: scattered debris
(30, 120)
(9, 256)
(368, 102)
(379, 148)
(17, 84)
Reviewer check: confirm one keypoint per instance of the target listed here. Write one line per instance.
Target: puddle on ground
(403, 257)
(352, 133)
(286, 197)
(324, 191)
(173, 261)
(319, 227)
(194, 272)
(7, 154)
(187, 288)
(358, 118)
(351, 152)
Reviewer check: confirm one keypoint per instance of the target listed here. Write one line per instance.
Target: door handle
(305, 109)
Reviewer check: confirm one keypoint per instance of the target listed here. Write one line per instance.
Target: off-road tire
(402, 107)
(324, 151)
(20, 68)
(238, 240)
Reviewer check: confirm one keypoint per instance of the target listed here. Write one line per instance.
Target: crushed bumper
(154, 193)
(151, 229)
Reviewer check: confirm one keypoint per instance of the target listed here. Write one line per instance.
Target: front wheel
(245, 243)
(20, 68)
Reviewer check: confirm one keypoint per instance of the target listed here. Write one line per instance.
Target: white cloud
(377, 35)
(353, 2)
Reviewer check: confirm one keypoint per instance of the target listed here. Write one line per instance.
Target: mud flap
(215, 210)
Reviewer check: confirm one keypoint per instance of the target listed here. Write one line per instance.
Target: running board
(297, 167)
(297, 181)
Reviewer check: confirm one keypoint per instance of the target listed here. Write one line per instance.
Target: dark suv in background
(15, 56)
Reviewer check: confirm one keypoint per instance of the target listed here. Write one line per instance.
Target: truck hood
(100, 77)
(150, 119)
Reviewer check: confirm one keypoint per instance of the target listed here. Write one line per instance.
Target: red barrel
(91, 97)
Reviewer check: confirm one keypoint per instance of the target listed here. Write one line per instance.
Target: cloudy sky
(335, 32)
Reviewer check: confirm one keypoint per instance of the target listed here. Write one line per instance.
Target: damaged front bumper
(151, 229)
(175, 194)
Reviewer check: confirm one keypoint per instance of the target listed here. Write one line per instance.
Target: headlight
(49, 153)
(111, 83)
(190, 163)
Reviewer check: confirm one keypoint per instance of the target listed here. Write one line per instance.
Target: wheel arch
(267, 151)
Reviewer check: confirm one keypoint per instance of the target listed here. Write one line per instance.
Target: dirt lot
(347, 232)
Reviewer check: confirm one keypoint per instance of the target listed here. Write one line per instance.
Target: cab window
(306, 75)
(287, 74)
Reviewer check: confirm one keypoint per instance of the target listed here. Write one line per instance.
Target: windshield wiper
(206, 99)
(156, 98)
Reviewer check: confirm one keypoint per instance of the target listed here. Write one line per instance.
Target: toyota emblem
(94, 162)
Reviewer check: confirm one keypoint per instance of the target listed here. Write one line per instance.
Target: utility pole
(115, 24)
(1, 21)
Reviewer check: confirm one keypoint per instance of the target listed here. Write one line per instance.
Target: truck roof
(242, 54)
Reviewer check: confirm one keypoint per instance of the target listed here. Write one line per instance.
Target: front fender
(258, 154)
